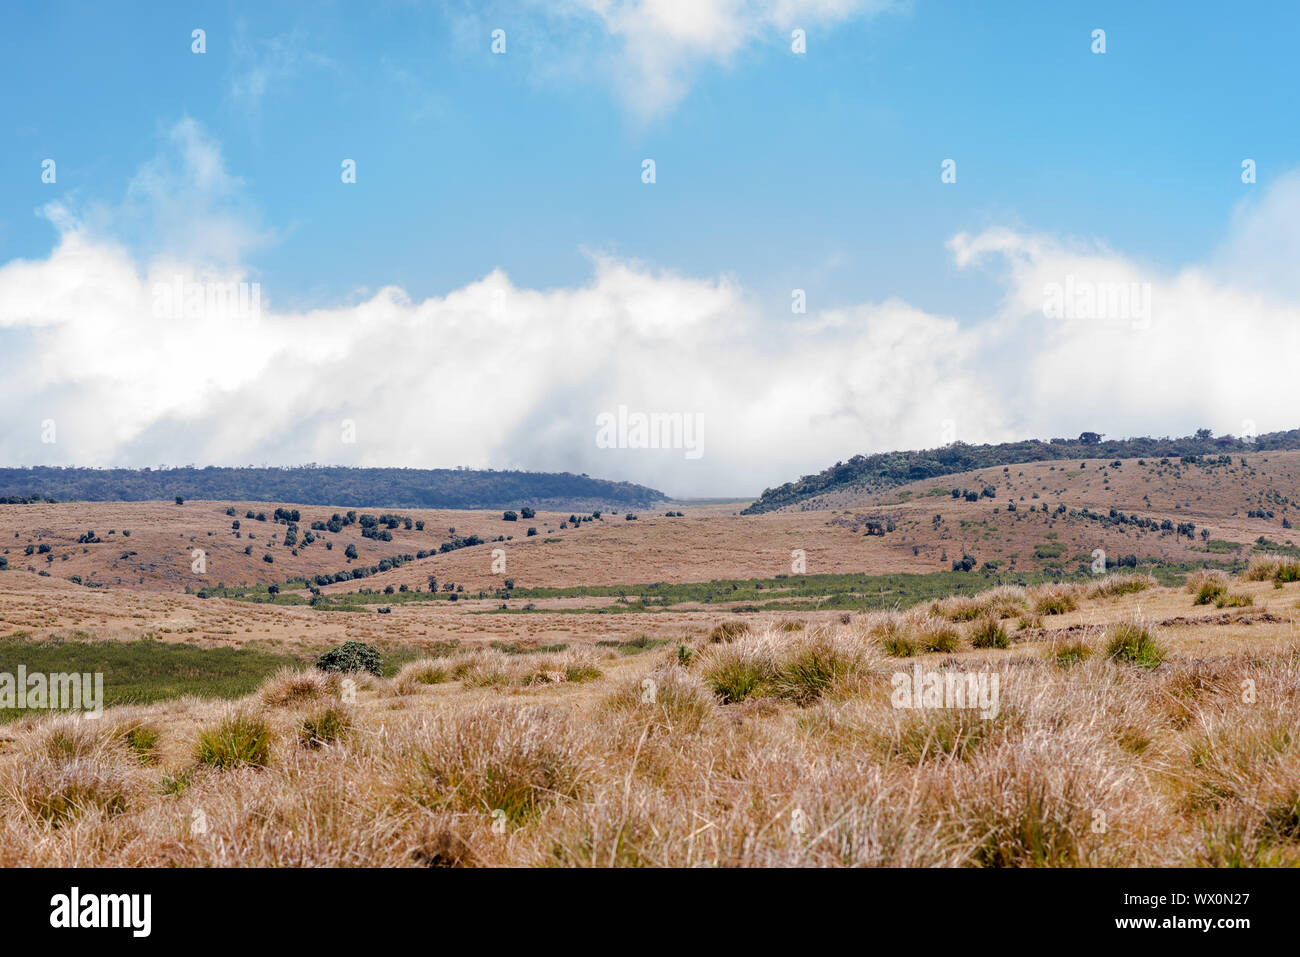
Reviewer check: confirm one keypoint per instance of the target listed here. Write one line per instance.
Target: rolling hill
(890, 469)
(328, 485)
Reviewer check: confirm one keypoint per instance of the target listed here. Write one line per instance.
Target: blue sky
(775, 171)
(773, 167)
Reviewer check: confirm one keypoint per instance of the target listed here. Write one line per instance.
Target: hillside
(890, 469)
(1041, 518)
(327, 485)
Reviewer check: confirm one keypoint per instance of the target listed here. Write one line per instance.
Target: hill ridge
(327, 485)
(887, 469)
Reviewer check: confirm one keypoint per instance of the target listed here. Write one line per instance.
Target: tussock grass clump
(1113, 586)
(490, 668)
(1234, 600)
(70, 767)
(54, 791)
(1070, 653)
(240, 740)
(935, 634)
(739, 670)
(141, 738)
(792, 625)
(893, 636)
(324, 727)
(729, 630)
(1055, 599)
(1004, 601)
(1031, 803)
(989, 632)
(1131, 642)
(675, 699)
(517, 759)
(65, 738)
(958, 608)
(772, 666)
(289, 687)
(929, 734)
(632, 646)
(574, 665)
(810, 667)
(1207, 585)
(417, 675)
(1279, 568)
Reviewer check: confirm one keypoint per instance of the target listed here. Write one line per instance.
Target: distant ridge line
(888, 469)
(328, 485)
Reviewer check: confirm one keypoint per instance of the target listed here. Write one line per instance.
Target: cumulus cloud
(661, 45)
(142, 359)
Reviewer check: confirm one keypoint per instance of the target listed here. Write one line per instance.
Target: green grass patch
(633, 646)
(145, 671)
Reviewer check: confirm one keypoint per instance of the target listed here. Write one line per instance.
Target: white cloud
(261, 65)
(662, 44)
(493, 375)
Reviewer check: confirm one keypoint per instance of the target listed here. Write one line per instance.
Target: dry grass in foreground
(749, 746)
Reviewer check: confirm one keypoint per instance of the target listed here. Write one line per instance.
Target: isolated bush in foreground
(352, 656)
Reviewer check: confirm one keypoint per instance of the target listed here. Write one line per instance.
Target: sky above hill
(870, 225)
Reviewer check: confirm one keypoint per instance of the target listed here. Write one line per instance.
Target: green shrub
(352, 656)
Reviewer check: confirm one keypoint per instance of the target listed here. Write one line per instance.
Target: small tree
(352, 656)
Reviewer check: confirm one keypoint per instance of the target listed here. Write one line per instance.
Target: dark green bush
(352, 656)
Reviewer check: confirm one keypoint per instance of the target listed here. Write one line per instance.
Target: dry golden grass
(775, 748)
(1133, 727)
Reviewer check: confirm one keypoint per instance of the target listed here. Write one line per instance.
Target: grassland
(667, 691)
